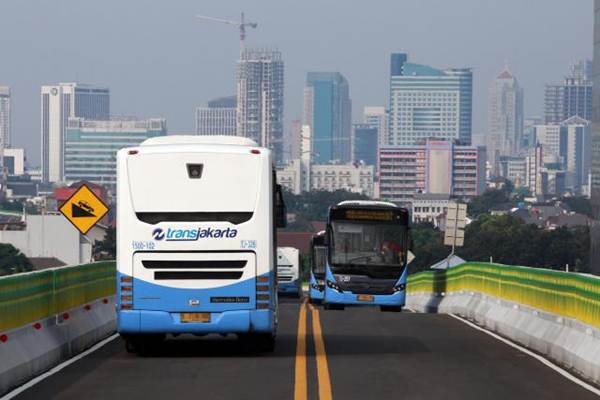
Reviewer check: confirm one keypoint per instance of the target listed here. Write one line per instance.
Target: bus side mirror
(280, 210)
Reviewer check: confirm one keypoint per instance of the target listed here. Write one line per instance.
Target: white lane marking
(410, 309)
(58, 368)
(541, 359)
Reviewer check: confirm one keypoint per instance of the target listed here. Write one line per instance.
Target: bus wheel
(130, 345)
(330, 306)
(265, 342)
(391, 308)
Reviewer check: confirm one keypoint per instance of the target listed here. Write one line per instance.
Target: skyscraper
(595, 167)
(260, 98)
(365, 145)
(571, 98)
(328, 112)
(91, 146)
(4, 117)
(59, 103)
(505, 118)
(218, 118)
(377, 117)
(426, 102)
(569, 143)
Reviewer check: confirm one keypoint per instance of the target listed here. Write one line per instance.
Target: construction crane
(241, 25)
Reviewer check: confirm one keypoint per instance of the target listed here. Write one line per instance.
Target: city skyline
(535, 58)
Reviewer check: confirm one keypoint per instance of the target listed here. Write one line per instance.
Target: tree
(487, 201)
(12, 260)
(314, 205)
(579, 204)
(107, 248)
(428, 246)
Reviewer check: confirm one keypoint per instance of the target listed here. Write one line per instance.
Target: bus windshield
(319, 260)
(368, 243)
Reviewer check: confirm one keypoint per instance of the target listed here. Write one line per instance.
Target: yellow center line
(300, 383)
(322, 368)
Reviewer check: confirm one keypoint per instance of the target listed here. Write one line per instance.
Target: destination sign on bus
(370, 215)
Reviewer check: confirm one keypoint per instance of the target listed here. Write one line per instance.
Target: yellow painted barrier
(29, 297)
(566, 294)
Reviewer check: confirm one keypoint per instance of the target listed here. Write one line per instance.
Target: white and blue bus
(288, 271)
(196, 253)
(318, 260)
(368, 244)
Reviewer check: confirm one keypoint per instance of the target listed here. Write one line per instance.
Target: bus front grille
(196, 275)
(194, 264)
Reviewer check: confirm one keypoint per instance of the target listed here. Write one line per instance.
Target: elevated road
(353, 354)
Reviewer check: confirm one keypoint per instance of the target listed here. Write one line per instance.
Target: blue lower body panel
(333, 296)
(289, 287)
(237, 321)
(316, 294)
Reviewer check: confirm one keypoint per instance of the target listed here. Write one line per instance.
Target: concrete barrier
(568, 342)
(28, 351)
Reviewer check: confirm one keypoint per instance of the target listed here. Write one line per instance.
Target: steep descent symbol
(84, 209)
(81, 210)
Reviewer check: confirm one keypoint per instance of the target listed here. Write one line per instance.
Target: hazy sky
(158, 60)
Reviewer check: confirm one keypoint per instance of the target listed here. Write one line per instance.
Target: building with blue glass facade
(365, 144)
(91, 146)
(327, 110)
(427, 102)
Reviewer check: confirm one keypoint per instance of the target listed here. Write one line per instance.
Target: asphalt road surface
(359, 353)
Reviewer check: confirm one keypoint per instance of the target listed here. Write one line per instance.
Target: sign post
(456, 217)
(84, 209)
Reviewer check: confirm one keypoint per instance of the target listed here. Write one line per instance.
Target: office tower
(505, 118)
(595, 167)
(327, 110)
(91, 146)
(365, 144)
(217, 118)
(426, 102)
(572, 97)
(4, 117)
(295, 140)
(377, 117)
(432, 166)
(260, 98)
(59, 103)
(569, 145)
(534, 163)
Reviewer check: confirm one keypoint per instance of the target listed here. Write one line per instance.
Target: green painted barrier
(566, 294)
(29, 297)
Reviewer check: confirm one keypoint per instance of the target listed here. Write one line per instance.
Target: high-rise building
(377, 117)
(260, 98)
(571, 98)
(568, 143)
(595, 179)
(4, 117)
(534, 163)
(365, 144)
(91, 146)
(328, 112)
(426, 102)
(295, 140)
(218, 118)
(432, 166)
(59, 103)
(505, 118)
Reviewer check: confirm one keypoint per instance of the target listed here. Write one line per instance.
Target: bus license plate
(365, 297)
(195, 317)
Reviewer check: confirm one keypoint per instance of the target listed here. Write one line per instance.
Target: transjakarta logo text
(192, 234)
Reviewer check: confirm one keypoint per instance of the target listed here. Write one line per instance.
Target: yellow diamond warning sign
(84, 209)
